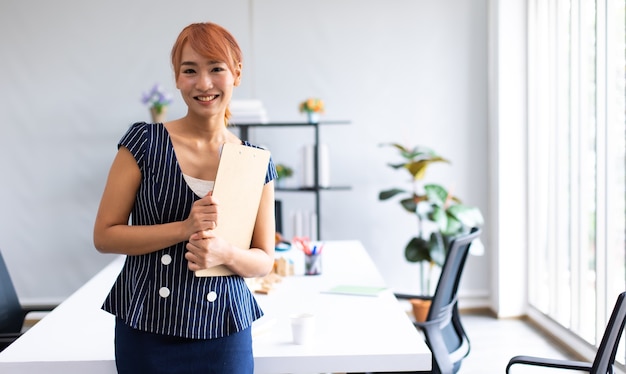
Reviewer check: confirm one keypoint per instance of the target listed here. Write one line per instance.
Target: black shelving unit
(316, 189)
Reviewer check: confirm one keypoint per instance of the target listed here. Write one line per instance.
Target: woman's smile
(206, 98)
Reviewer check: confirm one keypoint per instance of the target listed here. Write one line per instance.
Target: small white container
(303, 328)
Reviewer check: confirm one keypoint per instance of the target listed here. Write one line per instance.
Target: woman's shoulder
(248, 144)
(143, 127)
(140, 132)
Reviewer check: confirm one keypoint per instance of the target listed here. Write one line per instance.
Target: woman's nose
(205, 82)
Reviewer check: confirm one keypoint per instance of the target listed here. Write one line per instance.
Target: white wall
(72, 74)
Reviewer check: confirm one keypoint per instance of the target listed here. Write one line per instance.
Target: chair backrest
(448, 284)
(605, 357)
(444, 332)
(11, 313)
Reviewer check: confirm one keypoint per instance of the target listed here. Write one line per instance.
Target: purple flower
(157, 98)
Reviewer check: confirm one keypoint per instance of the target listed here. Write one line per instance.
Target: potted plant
(313, 107)
(282, 172)
(440, 215)
(157, 99)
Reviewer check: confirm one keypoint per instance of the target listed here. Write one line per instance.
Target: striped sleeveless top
(156, 292)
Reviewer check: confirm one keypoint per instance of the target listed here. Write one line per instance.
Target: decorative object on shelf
(433, 205)
(157, 99)
(283, 172)
(313, 107)
(308, 166)
(305, 224)
(247, 111)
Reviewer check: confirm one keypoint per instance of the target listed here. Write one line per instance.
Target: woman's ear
(238, 74)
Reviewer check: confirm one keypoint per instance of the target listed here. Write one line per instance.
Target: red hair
(211, 41)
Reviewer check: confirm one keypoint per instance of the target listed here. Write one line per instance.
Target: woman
(167, 319)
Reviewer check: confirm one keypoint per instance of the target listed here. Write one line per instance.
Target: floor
(495, 341)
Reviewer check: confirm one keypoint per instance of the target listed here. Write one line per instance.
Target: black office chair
(442, 329)
(605, 356)
(12, 313)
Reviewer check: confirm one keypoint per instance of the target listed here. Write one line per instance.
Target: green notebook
(356, 290)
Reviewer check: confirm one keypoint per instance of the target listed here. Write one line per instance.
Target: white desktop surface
(353, 333)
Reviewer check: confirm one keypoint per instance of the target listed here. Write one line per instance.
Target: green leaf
(467, 215)
(419, 153)
(437, 195)
(439, 217)
(417, 250)
(398, 146)
(437, 249)
(397, 166)
(409, 204)
(404, 152)
(387, 194)
(418, 168)
(453, 227)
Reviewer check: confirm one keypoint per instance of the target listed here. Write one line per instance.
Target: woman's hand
(203, 216)
(206, 250)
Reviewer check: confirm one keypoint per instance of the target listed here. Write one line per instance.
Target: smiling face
(207, 65)
(205, 84)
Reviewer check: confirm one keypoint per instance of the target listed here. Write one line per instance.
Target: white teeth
(206, 98)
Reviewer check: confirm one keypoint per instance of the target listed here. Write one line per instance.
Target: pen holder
(313, 264)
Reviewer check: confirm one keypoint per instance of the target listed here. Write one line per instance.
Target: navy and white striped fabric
(156, 292)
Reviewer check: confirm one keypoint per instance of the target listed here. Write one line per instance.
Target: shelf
(243, 127)
(312, 189)
(316, 189)
(291, 124)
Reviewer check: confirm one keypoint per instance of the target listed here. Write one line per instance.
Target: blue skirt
(138, 351)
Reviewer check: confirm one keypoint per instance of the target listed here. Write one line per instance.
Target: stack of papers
(247, 111)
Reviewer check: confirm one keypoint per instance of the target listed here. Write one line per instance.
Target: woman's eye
(188, 71)
(218, 69)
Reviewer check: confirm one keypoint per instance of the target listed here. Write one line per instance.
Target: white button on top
(166, 259)
(164, 292)
(211, 296)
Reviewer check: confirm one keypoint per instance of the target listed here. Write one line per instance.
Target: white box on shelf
(308, 166)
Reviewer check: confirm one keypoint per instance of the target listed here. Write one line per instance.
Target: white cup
(303, 328)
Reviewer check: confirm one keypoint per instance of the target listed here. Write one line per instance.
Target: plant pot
(156, 116)
(420, 309)
(313, 117)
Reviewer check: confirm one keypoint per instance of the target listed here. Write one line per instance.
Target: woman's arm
(112, 232)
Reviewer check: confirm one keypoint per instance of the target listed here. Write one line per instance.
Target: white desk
(353, 333)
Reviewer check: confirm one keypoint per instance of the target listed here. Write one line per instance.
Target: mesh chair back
(11, 313)
(605, 357)
(443, 329)
(448, 284)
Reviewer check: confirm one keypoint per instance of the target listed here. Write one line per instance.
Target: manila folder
(238, 187)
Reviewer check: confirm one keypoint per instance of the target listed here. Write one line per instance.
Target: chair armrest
(38, 308)
(403, 296)
(549, 362)
(9, 337)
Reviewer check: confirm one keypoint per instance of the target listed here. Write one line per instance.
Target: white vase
(313, 117)
(158, 117)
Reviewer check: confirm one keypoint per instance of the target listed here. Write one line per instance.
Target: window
(577, 162)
